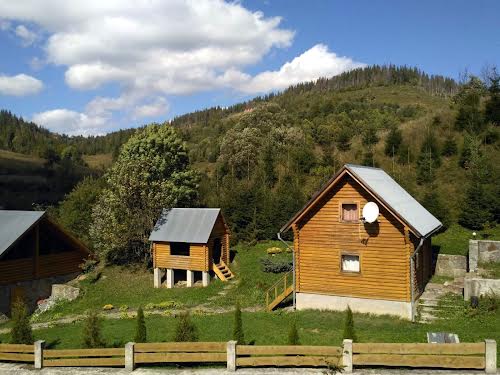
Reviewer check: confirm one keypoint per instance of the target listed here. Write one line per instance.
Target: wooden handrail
(282, 282)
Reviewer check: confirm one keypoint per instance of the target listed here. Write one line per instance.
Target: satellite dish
(370, 212)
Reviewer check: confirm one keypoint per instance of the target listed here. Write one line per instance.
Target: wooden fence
(17, 353)
(463, 355)
(458, 356)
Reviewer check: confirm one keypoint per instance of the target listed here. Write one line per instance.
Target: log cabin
(35, 253)
(190, 241)
(342, 260)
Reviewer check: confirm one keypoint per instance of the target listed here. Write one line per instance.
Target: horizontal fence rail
(481, 355)
(249, 355)
(17, 353)
(461, 355)
(84, 357)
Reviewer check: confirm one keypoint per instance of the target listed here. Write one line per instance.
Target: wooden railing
(462, 355)
(279, 291)
(458, 356)
(311, 356)
(17, 353)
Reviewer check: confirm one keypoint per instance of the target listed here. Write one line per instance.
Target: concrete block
(39, 346)
(480, 287)
(491, 357)
(451, 265)
(170, 278)
(205, 277)
(347, 356)
(231, 355)
(64, 292)
(129, 356)
(189, 278)
(473, 255)
(157, 277)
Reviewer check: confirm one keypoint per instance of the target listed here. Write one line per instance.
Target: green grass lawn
(455, 240)
(493, 269)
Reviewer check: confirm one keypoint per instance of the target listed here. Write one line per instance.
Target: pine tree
(393, 141)
(185, 331)
(492, 107)
(92, 335)
(349, 332)
(140, 329)
(432, 202)
(21, 332)
(476, 211)
(293, 334)
(449, 146)
(238, 333)
(428, 160)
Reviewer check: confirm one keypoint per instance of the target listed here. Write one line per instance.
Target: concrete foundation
(170, 278)
(157, 277)
(189, 278)
(480, 287)
(362, 305)
(205, 278)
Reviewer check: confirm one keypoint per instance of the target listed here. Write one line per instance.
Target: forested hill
(260, 160)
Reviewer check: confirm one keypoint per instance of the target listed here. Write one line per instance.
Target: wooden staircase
(279, 291)
(222, 271)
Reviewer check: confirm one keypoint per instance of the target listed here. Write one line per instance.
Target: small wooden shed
(341, 260)
(35, 253)
(195, 240)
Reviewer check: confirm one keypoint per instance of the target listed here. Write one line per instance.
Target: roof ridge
(363, 166)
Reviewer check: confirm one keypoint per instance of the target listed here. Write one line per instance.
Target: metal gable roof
(384, 188)
(13, 224)
(192, 225)
(397, 198)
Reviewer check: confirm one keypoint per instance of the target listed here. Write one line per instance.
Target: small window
(350, 212)
(179, 248)
(350, 263)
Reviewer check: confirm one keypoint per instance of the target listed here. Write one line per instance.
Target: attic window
(350, 212)
(350, 263)
(179, 248)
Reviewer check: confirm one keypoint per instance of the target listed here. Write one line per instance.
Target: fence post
(39, 346)
(231, 355)
(129, 356)
(491, 357)
(347, 356)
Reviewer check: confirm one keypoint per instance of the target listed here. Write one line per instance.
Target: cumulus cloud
(314, 63)
(71, 122)
(155, 108)
(4, 25)
(27, 36)
(19, 85)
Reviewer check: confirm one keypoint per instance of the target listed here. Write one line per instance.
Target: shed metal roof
(192, 225)
(13, 224)
(383, 186)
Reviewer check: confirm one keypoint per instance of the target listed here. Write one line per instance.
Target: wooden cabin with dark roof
(190, 240)
(35, 253)
(342, 260)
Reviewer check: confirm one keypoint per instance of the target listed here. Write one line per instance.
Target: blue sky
(102, 66)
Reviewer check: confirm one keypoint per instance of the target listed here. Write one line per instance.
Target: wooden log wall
(322, 238)
(196, 261)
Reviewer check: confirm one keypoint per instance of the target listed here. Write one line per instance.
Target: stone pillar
(491, 357)
(231, 355)
(347, 356)
(170, 278)
(190, 278)
(205, 276)
(39, 346)
(157, 277)
(473, 255)
(129, 356)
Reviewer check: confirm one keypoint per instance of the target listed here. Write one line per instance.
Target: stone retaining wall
(451, 265)
(482, 251)
(480, 287)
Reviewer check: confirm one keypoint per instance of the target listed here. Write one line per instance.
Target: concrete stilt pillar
(190, 278)
(129, 356)
(39, 346)
(157, 277)
(231, 355)
(170, 278)
(347, 356)
(205, 277)
(491, 357)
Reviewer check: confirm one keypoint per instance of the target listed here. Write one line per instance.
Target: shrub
(185, 331)
(108, 307)
(278, 266)
(88, 265)
(140, 329)
(238, 333)
(349, 332)
(274, 250)
(92, 336)
(21, 332)
(293, 334)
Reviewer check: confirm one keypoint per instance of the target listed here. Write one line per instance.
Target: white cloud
(153, 109)
(27, 36)
(315, 63)
(4, 25)
(71, 122)
(19, 85)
